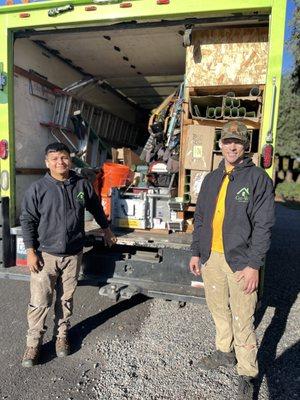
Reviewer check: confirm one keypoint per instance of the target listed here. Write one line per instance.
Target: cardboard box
(217, 158)
(126, 156)
(197, 178)
(199, 147)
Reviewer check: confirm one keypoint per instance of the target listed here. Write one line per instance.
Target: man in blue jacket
(233, 219)
(52, 220)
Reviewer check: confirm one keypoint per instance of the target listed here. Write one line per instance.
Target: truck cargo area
(111, 78)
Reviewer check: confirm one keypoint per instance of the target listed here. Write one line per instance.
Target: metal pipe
(56, 104)
(137, 195)
(159, 196)
(67, 111)
(269, 138)
(59, 108)
(197, 111)
(62, 110)
(151, 211)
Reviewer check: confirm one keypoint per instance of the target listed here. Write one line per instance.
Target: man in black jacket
(233, 219)
(52, 220)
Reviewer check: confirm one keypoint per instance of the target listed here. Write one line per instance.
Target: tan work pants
(233, 313)
(61, 274)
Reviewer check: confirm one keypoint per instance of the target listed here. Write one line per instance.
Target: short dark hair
(54, 147)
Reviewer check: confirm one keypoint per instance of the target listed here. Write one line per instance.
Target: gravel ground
(146, 349)
(158, 363)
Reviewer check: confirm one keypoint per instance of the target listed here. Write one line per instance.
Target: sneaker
(62, 347)
(217, 359)
(245, 388)
(31, 356)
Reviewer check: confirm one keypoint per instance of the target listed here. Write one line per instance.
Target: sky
(288, 60)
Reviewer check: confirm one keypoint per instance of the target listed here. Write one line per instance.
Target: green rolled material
(255, 91)
(187, 188)
(186, 198)
(210, 112)
(234, 112)
(227, 112)
(242, 111)
(250, 114)
(235, 102)
(218, 112)
(228, 102)
(187, 179)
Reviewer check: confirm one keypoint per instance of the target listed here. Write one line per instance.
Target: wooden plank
(229, 56)
(35, 78)
(239, 90)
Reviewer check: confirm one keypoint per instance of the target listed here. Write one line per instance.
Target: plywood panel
(229, 56)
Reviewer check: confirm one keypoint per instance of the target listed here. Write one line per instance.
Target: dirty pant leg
(217, 298)
(41, 296)
(65, 288)
(243, 308)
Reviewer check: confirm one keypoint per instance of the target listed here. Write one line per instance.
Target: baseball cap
(235, 130)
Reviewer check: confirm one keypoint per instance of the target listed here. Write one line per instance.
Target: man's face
(58, 162)
(233, 150)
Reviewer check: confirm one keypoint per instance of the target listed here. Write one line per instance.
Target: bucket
(113, 175)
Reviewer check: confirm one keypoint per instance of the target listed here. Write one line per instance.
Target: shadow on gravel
(281, 287)
(79, 331)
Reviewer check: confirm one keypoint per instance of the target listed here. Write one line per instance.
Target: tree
(288, 129)
(294, 46)
(288, 133)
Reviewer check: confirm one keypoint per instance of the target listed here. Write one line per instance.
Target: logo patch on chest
(243, 195)
(80, 197)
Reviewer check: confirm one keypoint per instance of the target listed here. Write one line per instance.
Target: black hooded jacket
(52, 215)
(249, 215)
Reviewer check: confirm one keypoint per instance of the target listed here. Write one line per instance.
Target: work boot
(62, 347)
(217, 359)
(245, 388)
(31, 356)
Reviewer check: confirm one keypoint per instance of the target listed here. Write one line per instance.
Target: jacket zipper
(65, 212)
(225, 215)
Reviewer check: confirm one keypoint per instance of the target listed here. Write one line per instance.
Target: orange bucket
(113, 175)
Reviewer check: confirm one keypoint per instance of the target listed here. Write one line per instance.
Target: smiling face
(59, 164)
(233, 151)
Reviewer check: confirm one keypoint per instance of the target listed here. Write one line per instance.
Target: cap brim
(233, 136)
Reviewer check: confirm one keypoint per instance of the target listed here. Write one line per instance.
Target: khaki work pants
(61, 274)
(233, 313)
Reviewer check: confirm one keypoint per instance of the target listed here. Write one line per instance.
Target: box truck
(143, 84)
